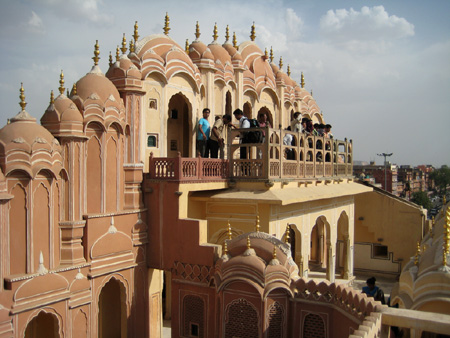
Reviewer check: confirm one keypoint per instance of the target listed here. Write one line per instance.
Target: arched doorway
(344, 261)
(321, 257)
(112, 313)
(248, 110)
(179, 126)
(228, 109)
(44, 325)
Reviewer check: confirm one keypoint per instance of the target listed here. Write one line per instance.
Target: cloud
(361, 30)
(35, 23)
(294, 23)
(92, 11)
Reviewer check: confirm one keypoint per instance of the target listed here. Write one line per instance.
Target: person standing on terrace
(243, 123)
(296, 126)
(203, 134)
(216, 141)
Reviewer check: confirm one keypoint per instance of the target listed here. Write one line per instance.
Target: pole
(385, 174)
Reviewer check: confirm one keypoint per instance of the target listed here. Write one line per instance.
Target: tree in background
(441, 178)
(421, 198)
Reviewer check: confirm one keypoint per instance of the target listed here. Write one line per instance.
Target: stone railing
(188, 169)
(286, 154)
(303, 158)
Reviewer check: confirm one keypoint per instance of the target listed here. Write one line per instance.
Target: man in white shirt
(243, 123)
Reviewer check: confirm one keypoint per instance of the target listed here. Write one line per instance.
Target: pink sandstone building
(110, 222)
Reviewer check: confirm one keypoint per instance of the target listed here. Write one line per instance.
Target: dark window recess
(151, 141)
(194, 330)
(380, 251)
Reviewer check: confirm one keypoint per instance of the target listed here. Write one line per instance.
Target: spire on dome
(131, 46)
(266, 54)
(135, 35)
(215, 32)
(252, 32)
(227, 34)
(257, 224)
(23, 114)
(117, 54)
(197, 31)
(234, 40)
(302, 81)
(124, 44)
(311, 93)
(229, 231)
(61, 83)
(22, 103)
(186, 46)
(271, 54)
(74, 89)
(286, 234)
(166, 24)
(52, 97)
(110, 59)
(281, 62)
(289, 70)
(96, 53)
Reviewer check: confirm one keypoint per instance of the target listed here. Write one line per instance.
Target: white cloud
(361, 30)
(294, 23)
(35, 23)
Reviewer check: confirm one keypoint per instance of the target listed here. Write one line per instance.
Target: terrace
(305, 158)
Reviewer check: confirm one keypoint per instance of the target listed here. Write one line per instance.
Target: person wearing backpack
(243, 123)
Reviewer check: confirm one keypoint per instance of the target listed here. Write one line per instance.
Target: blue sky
(379, 70)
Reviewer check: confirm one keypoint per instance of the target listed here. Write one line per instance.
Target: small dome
(198, 50)
(219, 53)
(95, 86)
(123, 68)
(235, 55)
(62, 117)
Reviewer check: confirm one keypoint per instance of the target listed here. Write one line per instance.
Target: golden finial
(225, 248)
(252, 33)
(227, 34)
(135, 35)
(302, 83)
(215, 32)
(257, 224)
(96, 53)
(266, 54)
(186, 46)
(52, 97)
(229, 231)
(74, 89)
(234, 40)
(416, 257)
(124, 44)
(197, 31)
(248, 243)
(286, 236)
(61, 83)
(117, 54)
(110, 59)
(271, 54)
(131, 46)
(274, 255)
(166, 24)
(22, 103)
(289, 70)
(280, 64)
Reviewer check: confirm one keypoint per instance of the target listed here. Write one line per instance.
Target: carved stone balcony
(299, 157)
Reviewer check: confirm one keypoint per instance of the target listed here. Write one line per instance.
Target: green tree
(421, 198)
(441, 178)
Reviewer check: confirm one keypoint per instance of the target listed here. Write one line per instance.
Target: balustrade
(282, 155)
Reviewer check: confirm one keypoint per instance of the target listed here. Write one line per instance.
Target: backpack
(253, 136)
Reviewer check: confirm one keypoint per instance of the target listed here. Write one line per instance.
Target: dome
(30, 146)
(62, 117)
(96, 87)
(123, 68)
(199, 51)
(235, 55)
(219, 53)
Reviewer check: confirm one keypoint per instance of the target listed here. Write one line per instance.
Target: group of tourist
(210, 142)
(305, 125)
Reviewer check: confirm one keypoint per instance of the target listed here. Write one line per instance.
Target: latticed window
(241, 320)
(313, 327)
(193, 312)
(276, 318)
